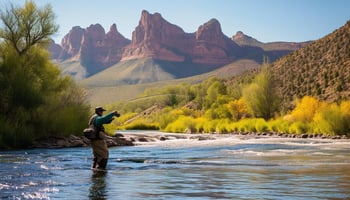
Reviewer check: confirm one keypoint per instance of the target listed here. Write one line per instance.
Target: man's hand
(116, 113)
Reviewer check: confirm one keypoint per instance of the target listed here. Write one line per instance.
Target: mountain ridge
(92, 50)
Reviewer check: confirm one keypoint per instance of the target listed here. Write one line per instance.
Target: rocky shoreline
(131, 139)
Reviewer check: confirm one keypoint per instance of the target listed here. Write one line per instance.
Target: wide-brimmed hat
(99, 109)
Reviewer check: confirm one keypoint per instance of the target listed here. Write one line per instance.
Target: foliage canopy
(35, 100)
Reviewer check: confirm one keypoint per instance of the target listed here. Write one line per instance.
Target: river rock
(76, 141)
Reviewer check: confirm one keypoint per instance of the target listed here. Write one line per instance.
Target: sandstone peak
(210, 31)
(214, 23)
(244, 40)
(113, 28)
(239, 35)
(113, 37)
(71, 42)
(152, 38)
(145, 15)
(95, 31)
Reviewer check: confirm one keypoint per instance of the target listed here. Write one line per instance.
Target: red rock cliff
(95, 49)
(156, 38)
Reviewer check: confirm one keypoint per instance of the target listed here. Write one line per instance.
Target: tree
(306, 109)
(27, 26)
(35, 100)
(238, 109)
(215, 90)
(261, 96)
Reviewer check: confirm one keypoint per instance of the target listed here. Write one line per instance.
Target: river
(226, 167)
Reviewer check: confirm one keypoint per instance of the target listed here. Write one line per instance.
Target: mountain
(320, 69)
(89, 52)
(273, 50)
(156, 38)
(94, 49)
(244, 40)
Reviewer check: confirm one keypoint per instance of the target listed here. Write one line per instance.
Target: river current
(226, 167)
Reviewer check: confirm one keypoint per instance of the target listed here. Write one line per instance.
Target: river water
(222, 168)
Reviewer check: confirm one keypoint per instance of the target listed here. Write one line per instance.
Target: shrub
(210, 126)
(345, 111)
(181, 124)
(279, 125)
(298, 128)
(306, 109)
(141, 126)
(223, 126)
(166, 118)
(199, 124)
(261, 125)
(246, 125)
(330, 120)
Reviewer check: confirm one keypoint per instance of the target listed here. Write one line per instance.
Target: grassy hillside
(321, 69)
(100, 95)
(74, 68)
(147, 70)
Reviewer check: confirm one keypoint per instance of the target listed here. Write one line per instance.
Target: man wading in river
(99, 145)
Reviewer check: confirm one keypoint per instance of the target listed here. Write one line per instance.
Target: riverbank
(131, 138)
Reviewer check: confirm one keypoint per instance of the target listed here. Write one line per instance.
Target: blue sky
(265, 20)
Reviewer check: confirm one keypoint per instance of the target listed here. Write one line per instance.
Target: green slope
(146, 70)
(100, 95)
(73, 68)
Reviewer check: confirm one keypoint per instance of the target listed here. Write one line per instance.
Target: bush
(298, 128)
(223, 126)
(330, 120)
(210, 126)
(261, 125)
(181, 124)
(345, 111)
(15, 135)
(279, 125)
(141, 126)
(246, 125)
(166, 118)
(306, 109)
(199, 124)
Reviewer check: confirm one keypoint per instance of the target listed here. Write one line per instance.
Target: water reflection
(98, 185)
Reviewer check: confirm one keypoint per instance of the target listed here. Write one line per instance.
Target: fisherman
(99, 145)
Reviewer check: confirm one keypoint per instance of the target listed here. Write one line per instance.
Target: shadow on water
(98, 185)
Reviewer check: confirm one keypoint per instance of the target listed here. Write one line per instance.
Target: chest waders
(99, 147)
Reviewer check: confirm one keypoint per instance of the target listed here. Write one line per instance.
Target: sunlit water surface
(224, 168)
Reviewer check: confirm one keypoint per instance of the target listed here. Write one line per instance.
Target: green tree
(214, 92)
(261, 96)
(27, 26)
(35, 100)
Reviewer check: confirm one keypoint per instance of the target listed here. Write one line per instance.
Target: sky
(264, 20)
